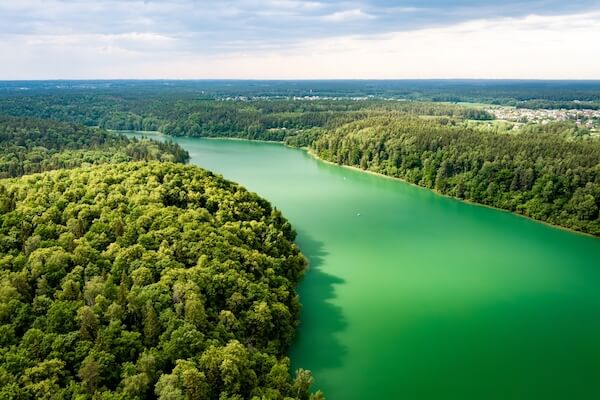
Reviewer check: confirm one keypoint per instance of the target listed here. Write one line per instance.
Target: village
(585, 118)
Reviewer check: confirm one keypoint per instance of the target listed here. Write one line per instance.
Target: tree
(151, 326)
(43, 380)
(194, 382)
(90, 373)
(194, 312)
(584, 205)
(166, 388)
(88, 323)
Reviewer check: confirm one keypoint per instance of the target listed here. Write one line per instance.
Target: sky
(294, 39)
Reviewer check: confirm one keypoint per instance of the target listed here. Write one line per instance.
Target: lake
(411, 295)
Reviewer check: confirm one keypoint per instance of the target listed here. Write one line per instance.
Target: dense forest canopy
(32, 145)
(543, 172)
(257, 119)
(142, 280)
(508, 92)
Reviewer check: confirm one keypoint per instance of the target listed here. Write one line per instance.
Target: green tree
(151, 326)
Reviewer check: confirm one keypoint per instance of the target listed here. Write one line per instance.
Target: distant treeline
(546, 104)
(259, 119)
(508, 92)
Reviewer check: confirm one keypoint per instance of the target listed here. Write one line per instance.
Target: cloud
(298, 39)
(533, 46)
(294, 4)
(347, 15)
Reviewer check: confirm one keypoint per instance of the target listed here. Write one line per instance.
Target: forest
(546, 172)
(140, 280)
(126, 275)
(552, 94)
(31, 145)
(262, 119)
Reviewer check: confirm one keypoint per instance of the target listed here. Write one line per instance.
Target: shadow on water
(317, 347)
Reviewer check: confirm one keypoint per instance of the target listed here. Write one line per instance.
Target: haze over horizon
(290, 39)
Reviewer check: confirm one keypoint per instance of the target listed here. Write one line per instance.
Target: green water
(415, 296)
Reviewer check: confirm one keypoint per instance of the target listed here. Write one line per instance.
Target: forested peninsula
(124, 275)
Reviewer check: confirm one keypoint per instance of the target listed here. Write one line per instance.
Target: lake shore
(351, 167)
(316, 157)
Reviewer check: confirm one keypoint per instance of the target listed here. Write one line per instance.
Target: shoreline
(313, 155)
(236, 139)
(159, 133)
(472, 203)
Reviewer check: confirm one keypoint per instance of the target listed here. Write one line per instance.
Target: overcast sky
(281, 39)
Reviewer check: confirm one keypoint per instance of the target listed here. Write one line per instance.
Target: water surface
(411, 295)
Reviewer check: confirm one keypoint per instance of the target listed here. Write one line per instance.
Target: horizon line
(295, 79)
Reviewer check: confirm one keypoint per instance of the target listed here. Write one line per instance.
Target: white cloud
(533, 47)
(296, 4)
(347, 15)
(542, 47)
